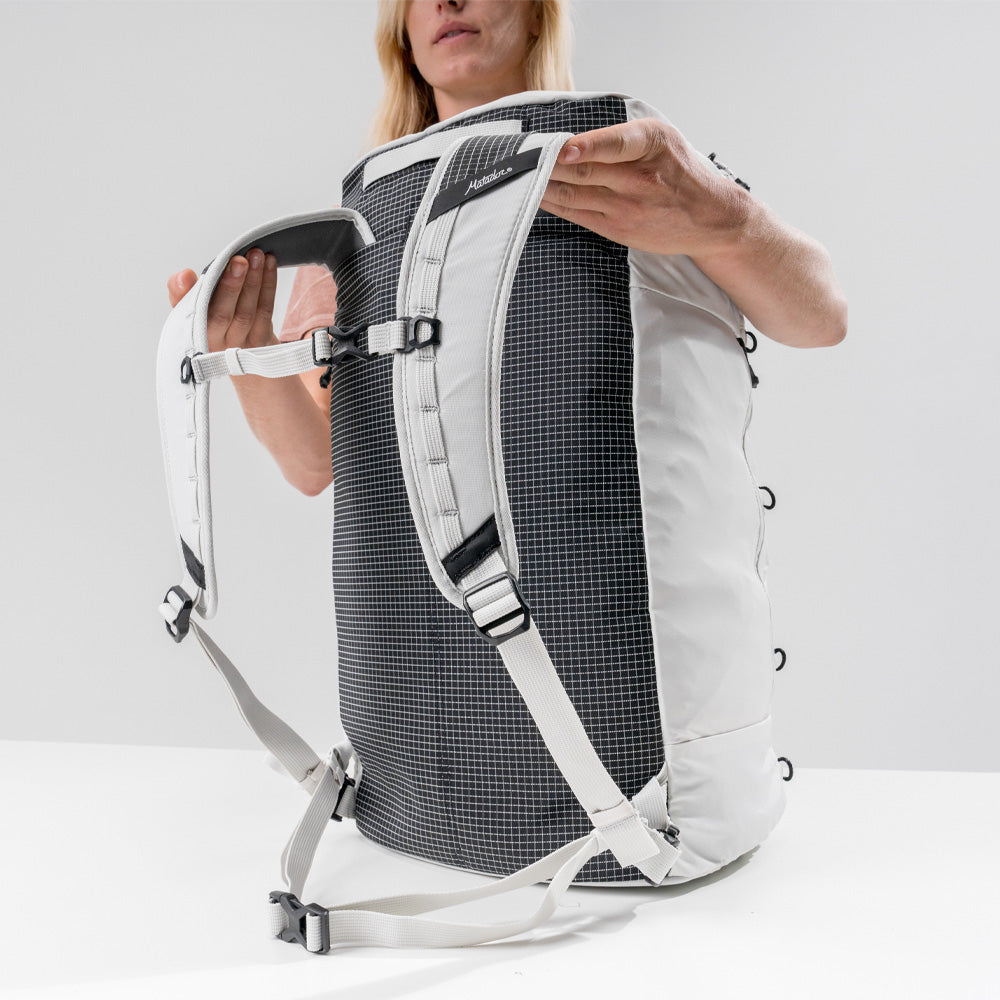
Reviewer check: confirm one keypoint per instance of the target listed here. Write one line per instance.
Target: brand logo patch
(488, 179)
(472, 186)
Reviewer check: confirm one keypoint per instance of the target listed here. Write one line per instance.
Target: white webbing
(629, 836)
(272, 361)
(385, 338)
(395, 921)
(390, 921)
(295, 755)
(323, 779)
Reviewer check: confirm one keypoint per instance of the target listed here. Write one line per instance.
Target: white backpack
(554, 638)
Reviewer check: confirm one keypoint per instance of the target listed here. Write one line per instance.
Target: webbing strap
(386, 338)
(396, 921)
(272, 361)
(628, 834)
(325, 779)
(391, 921)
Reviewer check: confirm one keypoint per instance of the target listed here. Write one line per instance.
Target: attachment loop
(413, 341)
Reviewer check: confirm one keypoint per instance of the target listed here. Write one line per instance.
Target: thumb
(179, 284)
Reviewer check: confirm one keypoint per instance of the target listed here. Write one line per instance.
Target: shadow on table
(563, 930)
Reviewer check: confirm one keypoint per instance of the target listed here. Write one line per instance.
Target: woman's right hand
(240, 313)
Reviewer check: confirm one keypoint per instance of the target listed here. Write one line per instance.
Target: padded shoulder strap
(454, 285)
(182, 393)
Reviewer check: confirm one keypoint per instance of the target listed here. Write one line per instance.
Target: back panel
(455, 770)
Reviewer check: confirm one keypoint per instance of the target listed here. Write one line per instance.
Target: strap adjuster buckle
(313, 935)
(187, 368)
(342, 344)
(413, 341)
(522, 611)
(348, 782)
(181, 623)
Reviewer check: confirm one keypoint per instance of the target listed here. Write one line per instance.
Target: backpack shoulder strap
(454, 286)
(184, 369)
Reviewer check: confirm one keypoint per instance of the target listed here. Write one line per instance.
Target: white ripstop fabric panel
(726, 795)
(710, 613)
(703, 520)
(430, 147)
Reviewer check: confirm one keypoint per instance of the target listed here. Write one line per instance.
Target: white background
(140, 138)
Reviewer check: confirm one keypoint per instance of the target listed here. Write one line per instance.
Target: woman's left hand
(641, 184)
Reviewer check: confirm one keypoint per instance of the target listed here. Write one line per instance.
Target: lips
(451, 26)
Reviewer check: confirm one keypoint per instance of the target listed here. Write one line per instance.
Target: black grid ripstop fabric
(475, 155)
(455, 770)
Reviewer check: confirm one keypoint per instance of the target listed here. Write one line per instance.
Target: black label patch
(485, 180)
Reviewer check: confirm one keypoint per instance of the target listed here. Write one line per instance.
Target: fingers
(261, 328)
(581, 197)
(597, 222)
(239, 313)
(634, 140)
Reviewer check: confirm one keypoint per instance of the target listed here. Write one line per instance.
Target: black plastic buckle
(523, 611)
(344, 347)
(297, 911)
(187, 369)
(182, 624)
(348, 783)
(413, 341)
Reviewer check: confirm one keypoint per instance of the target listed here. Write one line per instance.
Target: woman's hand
(642, 185)
(240, 313)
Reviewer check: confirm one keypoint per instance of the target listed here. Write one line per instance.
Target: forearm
(781, 279)
(286, 419)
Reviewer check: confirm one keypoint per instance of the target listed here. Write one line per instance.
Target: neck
(450, 103)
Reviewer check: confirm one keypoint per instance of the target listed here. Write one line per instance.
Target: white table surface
(141, 872)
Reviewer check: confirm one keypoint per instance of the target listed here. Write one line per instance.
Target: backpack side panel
(704, 530)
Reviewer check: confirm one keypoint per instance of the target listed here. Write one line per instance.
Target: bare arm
(781, 279)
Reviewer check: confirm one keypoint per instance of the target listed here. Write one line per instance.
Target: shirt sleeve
(311, 304)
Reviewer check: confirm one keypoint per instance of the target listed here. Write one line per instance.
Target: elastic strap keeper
(608, 817)
(233, 365)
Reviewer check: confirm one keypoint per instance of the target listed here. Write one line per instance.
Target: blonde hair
(407, 103)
